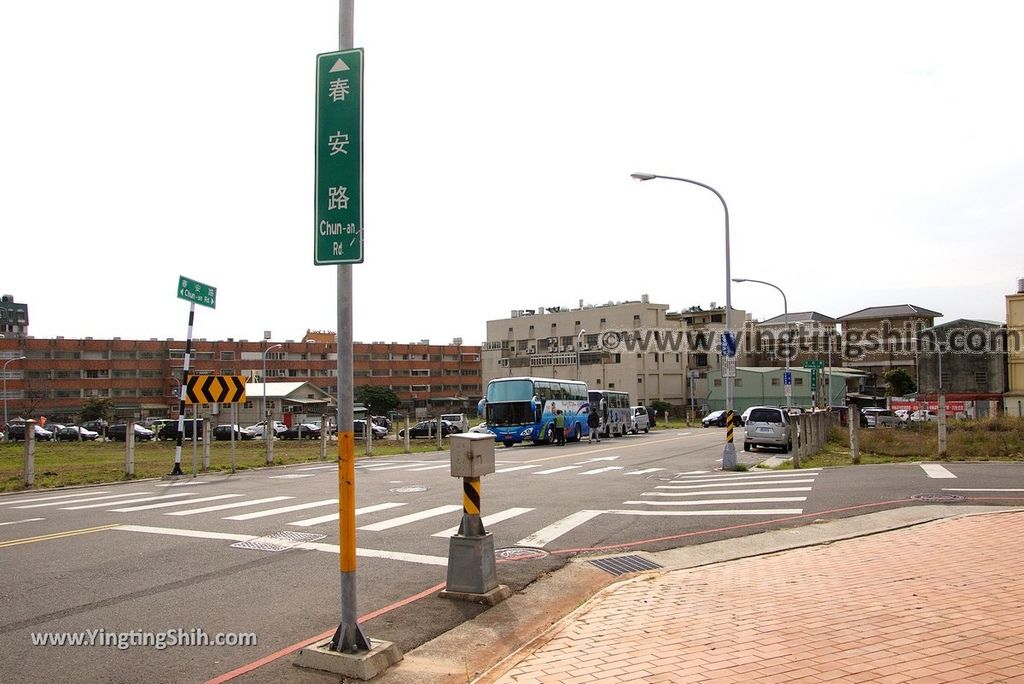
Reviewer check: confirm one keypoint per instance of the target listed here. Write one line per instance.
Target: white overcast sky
(871, 153)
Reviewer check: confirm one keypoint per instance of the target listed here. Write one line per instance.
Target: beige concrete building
(1013, 400)
(634, 346)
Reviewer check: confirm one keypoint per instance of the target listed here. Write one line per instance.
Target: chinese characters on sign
(338, 237)
(194, 291)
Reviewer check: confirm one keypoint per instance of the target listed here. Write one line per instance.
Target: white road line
(377, 469)
(237, 504)
(320, 467)
(283, 509)
(542, 538)
(809, 472)
(487, 520)
(412, 517)
(16, 522)
(556, 470)
(189, 483)
(643, 472)
(290, 476)
(514, 468)
(311, 546)
(702, 502)
(159, 497)
(19, 500)
(934, 470)
(719, 492)
(734, 483)
(166, 504)
(431, 467)
(80, 499)
(738, 511)
(597, 471)
(963, 489)
(691, 472)
(309, 522)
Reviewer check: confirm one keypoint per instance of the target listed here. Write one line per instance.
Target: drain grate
(621, 565)
(937, 498)
(279, 541)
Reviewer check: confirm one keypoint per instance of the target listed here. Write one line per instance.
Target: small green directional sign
(197, 292)
(338, 230)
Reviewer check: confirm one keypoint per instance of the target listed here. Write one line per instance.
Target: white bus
(614, 408)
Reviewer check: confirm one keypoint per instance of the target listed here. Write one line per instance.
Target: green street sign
(814, 363)
(338, 218)
(814, 379)
(197, 292)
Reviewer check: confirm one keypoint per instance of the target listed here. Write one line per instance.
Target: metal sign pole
(181, 392)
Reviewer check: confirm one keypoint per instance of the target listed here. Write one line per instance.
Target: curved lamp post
(6, 431)
(579, 336)
(729, 452)
(268, 430)
(785, 314)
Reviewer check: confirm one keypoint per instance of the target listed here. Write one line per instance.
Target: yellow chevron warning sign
(220, 389)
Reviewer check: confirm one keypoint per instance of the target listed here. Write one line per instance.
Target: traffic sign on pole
(338, 231)
(787, 377)
(814, 363)
(197, 292)
(728, 343)
(215, 389)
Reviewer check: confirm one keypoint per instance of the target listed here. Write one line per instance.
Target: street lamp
(579, 337)
(785, 314)
(267, 428)
(6, 430)
(729, 452)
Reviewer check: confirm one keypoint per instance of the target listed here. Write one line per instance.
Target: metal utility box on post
(471, 566)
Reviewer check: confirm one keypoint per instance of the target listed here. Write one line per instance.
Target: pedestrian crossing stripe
(215, 389)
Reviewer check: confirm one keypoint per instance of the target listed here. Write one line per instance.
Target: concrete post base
(471, 564)
(490, 598)
(361, 665)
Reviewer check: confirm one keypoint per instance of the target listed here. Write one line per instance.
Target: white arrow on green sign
(338, 234)
(197, 292)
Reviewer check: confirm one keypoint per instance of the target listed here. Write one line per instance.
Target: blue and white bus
(613, 407)
(519, 409)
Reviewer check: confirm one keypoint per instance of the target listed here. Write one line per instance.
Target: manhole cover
(620, 565)
(408, 490)
(520, 553)
(279, 541)
(937, 498)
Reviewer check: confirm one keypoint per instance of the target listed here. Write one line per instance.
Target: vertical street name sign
(338, 237)
(197, 292)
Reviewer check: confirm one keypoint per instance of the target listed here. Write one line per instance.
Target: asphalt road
(257, 552)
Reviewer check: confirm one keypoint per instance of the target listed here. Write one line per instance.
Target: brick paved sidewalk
(939, 602)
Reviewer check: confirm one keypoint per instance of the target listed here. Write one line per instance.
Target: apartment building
(635, 346)
(141, 378)
(1013, 400)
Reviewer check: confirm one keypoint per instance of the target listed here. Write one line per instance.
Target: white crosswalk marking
(158, 497)
(734, 483)
(19, 500)
(735, 511)
(309, 522)
(704, 502)
(430, 467)
(413, 517)
(291, 476)
(379, 468)
(237, 504)
(511, 469)
(644, 472)
(756, 477)
(81, 499)
(167, 504)
(283, 509)
(487, 520)
(542, 538)
(333, 466)
(17, 522)
(719, 492)
(557, 470)
(934, 470)
(597, 471)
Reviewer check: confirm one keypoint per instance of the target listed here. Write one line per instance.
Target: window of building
(718, 382)
(798, 381)
(102, 374)
(738, 382)
(419, 372)
(775, 381)
(611, 385)
(227, 356)
(639, 380)
(981, 378)
(115, 354)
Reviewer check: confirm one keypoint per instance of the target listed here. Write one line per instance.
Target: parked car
(223, 433)
(74, 433)
(459, 420)
(16, 433)
(359, 427)
(651, 417)
(98, 426)
(768, 426)
(879, 417)
(481, 428)
(902, 414)
(279, 427)
(639, 420)
(428, 428)
(170, 430)
(717, 419)
(118, 433)
(301, 431)
(922, 416)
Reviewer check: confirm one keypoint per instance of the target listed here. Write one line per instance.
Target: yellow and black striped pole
(472, 525)
(728, 426)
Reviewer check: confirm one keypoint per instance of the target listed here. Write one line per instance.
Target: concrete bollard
(30, 452)
(853, 419)
(129, 449)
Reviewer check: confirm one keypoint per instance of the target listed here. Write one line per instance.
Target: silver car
(768, 426)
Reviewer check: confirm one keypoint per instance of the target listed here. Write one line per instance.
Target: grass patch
(60, 464)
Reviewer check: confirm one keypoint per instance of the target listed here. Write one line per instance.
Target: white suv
(767, 426)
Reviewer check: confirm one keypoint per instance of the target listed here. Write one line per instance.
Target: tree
(660, 406)
(378, 400)
(899, 383)
(96, 409)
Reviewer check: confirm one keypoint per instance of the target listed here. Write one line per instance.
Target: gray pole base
(361, 665)
(471, 571)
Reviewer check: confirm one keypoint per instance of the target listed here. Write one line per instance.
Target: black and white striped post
(181, 393)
